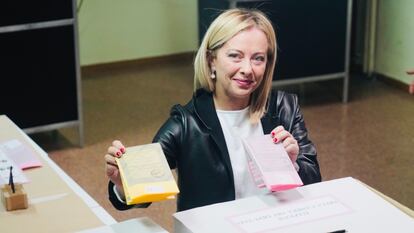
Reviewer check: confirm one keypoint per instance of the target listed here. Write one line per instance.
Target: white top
(236, 125)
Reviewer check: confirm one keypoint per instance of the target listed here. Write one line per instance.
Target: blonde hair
(222, 29)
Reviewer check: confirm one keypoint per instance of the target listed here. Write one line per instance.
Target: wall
(394, 53)
(111, 31)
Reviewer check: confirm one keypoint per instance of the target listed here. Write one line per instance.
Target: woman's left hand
(279, 134)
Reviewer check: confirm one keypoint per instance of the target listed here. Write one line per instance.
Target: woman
(232, 100)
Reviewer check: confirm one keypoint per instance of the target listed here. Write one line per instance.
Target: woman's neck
(228, 104)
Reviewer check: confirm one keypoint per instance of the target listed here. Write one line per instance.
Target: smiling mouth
(244, 82)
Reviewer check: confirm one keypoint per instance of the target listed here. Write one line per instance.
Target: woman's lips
(243, 83)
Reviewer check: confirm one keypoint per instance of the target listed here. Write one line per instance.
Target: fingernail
(122, 150)
(274, 139)
(118, 153)
(273, 133)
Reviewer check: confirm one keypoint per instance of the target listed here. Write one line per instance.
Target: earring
(213, 74)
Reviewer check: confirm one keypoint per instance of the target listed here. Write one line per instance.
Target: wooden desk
(56, 202)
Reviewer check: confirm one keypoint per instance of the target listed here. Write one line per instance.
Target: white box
(341, 204)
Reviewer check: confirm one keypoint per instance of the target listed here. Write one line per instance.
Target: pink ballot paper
(270, 164)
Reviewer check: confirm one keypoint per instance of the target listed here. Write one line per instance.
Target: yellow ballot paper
(145, 174)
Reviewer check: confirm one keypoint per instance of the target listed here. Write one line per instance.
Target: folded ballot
(145, 174)
(270, 165)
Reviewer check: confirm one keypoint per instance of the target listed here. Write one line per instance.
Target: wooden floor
(371, 138)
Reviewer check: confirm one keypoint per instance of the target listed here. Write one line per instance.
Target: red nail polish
(118, 153)
(273, 133)
(122, 150)
(274, 139)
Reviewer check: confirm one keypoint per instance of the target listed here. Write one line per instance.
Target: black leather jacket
(194, 144)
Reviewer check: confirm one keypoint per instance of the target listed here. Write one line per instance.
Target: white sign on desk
(342, 204)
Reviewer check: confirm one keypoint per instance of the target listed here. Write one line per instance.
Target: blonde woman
(232, 100)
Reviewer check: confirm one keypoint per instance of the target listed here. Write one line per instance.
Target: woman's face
(240, 65)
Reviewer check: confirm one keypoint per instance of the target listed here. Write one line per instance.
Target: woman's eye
(234, 55)
(259, 58)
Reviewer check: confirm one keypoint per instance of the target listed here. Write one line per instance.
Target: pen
(337, 231)
(11, 183)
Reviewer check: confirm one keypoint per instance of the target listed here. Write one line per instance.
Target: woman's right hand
(117, 149)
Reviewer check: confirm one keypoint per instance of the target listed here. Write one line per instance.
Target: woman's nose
(246, 67)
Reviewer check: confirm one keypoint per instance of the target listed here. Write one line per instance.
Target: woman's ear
(212, 67)
(210, 58)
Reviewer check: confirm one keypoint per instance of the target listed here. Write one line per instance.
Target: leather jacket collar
(206, 111)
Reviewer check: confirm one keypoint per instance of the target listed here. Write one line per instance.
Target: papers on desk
(270, 165)
(145, 174)
(342, 204)
(5, 164)
(18, 155)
